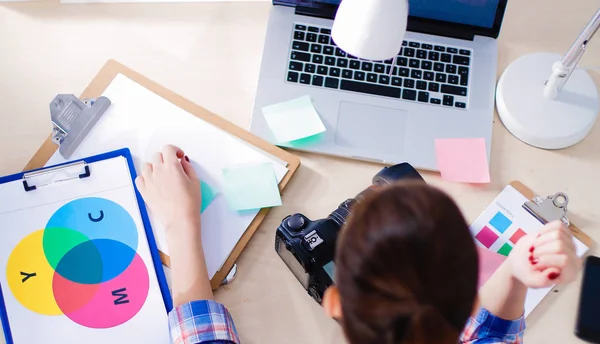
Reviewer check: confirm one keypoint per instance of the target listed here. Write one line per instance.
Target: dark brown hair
(406, 268)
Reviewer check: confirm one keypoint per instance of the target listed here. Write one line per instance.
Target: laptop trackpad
(371, 128)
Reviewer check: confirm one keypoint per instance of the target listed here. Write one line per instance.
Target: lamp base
(542, 122)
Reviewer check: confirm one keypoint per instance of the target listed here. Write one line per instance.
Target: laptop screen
(480, 13)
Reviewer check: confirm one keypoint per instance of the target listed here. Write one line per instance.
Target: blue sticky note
(249, 187)
(500, 222)
(208, 195)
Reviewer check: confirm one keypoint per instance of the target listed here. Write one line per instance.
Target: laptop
(440, 85)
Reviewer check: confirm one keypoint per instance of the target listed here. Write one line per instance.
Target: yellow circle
(30, 276)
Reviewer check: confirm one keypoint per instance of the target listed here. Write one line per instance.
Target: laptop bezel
(417, 24)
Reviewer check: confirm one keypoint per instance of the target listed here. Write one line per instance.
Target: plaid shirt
(486, 328)
(203, 321)
(209, 322)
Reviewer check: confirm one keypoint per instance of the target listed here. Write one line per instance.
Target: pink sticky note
(489, 262)
(462, 160)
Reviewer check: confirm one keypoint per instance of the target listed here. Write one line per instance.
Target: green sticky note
(208, 195)
(251, 186)
(293, 120)
(505, 249)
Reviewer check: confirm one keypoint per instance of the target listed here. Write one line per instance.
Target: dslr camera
(308, 247)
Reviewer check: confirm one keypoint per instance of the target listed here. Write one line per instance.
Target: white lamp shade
(370, 29)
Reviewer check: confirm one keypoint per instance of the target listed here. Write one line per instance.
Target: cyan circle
(97, 218)
(95, 261)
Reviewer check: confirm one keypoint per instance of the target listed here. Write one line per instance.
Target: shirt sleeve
(486, 328)
(204, 321)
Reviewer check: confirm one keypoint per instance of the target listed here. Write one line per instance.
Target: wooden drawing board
(104, 78)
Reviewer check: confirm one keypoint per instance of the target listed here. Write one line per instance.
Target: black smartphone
(588, 317)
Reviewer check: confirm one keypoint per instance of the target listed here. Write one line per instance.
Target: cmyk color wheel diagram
(84, 265)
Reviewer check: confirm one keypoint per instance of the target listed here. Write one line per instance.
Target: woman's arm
(537, 261)
(503, 295)
(171, 190)
(189, 275)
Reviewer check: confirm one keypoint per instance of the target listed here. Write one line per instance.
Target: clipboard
(578, 233)
(515, 212)
(51, 175)
(104, 78)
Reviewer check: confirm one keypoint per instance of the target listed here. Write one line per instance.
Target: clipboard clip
(549, 209)
(56, 174)
(72, 120)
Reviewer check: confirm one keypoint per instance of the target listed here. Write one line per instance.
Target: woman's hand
(171, 188)
(538, 260)
(545, 258)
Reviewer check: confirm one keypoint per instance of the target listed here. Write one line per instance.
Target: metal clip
(549, 209)
(56, 174)
(73, 119)
(230, 276)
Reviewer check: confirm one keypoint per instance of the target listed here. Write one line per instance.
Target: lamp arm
(561, 70)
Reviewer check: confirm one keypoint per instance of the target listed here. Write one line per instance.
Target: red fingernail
(187, 159)
(531, 249)
(531, 258)
(534, 261)
(553, 276)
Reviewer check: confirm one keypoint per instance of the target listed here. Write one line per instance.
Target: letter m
(120, 295)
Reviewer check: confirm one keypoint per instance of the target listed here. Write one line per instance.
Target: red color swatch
(517, 236)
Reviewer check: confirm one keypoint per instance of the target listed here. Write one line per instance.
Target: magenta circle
(113, 303)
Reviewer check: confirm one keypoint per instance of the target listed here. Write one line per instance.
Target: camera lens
(340, 215)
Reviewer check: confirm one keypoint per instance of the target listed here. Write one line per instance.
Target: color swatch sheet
(140, 120)
(500, 227)
(75, 264)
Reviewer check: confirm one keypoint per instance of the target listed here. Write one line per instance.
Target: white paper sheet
(23, 213)
(510, 203)
(144, 122)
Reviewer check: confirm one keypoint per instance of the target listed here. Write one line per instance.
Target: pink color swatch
(517, 236)
(489, 262)
(462, 160)
(106, 308)
(487, 237)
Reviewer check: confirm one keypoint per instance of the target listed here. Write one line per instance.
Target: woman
(406, 267)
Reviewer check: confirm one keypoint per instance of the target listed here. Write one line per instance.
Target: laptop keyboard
(423, 72)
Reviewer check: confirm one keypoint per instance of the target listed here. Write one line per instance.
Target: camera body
(308, 247)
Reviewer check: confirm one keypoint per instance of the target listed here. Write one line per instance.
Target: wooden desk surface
(210, 53)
